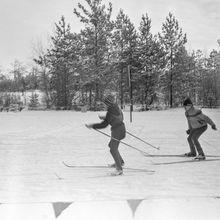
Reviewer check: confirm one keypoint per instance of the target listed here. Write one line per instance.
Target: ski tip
(65, 164)
(113, 174)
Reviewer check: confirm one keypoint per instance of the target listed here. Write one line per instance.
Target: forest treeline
(79, 68)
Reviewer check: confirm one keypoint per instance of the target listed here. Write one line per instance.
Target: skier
(114, 118)
(197, 124)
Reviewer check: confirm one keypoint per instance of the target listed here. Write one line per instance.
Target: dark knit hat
(187, 102)
(109, 100)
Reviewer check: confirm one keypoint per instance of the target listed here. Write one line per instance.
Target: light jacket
(196, 119)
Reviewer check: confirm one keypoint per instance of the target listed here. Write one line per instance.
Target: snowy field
(33, 178)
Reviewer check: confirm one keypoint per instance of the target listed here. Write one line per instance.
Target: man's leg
(113, 144)
(191, 144)
(121, 159)
(198, 132)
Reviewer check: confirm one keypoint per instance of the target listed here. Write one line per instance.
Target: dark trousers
(119, 134)
(193, 140)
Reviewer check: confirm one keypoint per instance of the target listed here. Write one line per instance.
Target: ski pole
(143, 141)
(143, 152)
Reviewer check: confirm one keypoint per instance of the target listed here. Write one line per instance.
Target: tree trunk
(171, 79)
(121, 89)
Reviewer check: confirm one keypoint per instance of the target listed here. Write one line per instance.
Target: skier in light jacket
(197, 125)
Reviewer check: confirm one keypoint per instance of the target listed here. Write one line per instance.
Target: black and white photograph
(110, 110)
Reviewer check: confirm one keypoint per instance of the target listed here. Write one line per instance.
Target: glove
(188, 131)
(101, 117)
(89, 126)
(214, 127)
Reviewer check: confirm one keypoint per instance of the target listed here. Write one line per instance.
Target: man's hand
(188, 131)
(102, 117)
(214, 127)
(89, 126)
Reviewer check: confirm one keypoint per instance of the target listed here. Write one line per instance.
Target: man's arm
(100, 125)
(208, 120)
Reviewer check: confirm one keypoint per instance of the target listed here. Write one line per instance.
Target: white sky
(25, 22)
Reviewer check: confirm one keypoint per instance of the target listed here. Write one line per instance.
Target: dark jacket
(114, 118)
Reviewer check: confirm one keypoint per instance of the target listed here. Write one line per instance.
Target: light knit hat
(109, 100)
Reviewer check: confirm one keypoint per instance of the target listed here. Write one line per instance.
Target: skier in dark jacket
(197, 124)
(114, 118)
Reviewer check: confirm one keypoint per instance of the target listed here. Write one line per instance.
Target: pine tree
(95, 53)
(195, 77)
(172, 40)
(186, 80)
(125, 46)
(61, 59)
(151, 62)
(212, 79)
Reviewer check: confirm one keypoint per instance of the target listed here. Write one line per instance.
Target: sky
(25, 23)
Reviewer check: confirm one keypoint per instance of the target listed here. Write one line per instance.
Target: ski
(186, 161)
(176, 155)
(104, 167)
(165, 155)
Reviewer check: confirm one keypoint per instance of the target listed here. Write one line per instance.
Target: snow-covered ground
(33, 146)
